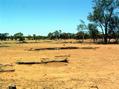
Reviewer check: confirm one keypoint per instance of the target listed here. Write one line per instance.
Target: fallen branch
(12, 70)
(6, 68)
(43, 61)
(61, 48)
(27, 62)
(54, 48)
(6, 64)
(57, 60)
(63, 56)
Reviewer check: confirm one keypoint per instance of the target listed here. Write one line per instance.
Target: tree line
(20, 37)
(56, 35)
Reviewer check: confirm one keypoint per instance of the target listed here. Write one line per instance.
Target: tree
(93, 31)
(55, 35)
(114, 29)
(34, 37)
(29, 37)
(65, 35)
(81, 27)
(19, 36)
(4, 36)
(103, 12)
(50, 36)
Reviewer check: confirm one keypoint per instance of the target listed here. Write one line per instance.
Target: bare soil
(86, 69)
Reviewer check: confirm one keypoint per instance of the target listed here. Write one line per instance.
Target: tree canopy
(105, 15)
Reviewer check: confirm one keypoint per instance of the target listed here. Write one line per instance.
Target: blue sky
(42, 16)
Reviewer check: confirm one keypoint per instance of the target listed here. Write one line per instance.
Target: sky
(42, 16)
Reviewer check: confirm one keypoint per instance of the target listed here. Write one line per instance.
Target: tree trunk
(105, 35)
(105, 39)
(83, 38)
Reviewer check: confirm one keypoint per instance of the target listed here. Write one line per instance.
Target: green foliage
(104, 11)
(93, 31)
(55, 35)
(58, 34)
(4, 36)
(82, 26)
(81, 29)
(19, 36)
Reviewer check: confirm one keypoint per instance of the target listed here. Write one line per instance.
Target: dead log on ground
(61, 48)
(53, 48)
(43, 61)
(6, 64)
(6, 68)
(12, 70)
(63, 56)
(57, 60)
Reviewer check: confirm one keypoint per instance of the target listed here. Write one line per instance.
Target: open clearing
(96, 67)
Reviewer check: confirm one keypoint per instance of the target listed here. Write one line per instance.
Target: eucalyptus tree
(81, 29)
(93, 31)
(4, 36)
(19, 37)
(103, 12)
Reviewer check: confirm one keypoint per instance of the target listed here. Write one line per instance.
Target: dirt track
(87, 68)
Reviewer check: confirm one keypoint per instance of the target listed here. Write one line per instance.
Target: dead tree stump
(12, 86)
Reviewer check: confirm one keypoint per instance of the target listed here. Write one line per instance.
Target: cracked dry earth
(87, 68)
